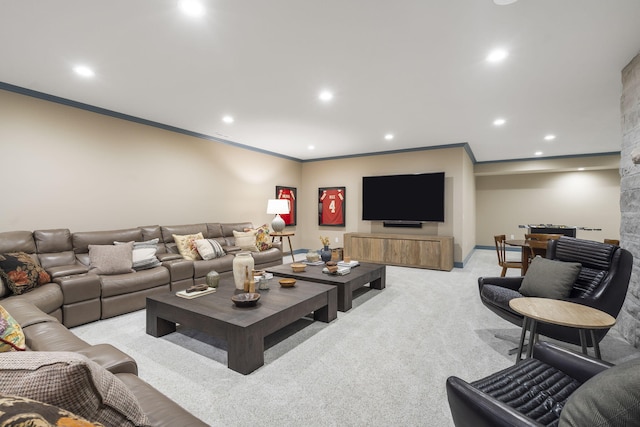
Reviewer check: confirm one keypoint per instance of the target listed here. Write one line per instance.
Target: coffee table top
(562, 313)
(218, 305)
(314, 272)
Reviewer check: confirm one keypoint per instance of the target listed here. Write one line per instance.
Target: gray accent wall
(629, 318)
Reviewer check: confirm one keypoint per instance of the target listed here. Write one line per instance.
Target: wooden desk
(524, 246)
(286, 234)
(558, 312)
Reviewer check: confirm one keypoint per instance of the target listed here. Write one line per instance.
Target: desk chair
(501, 250)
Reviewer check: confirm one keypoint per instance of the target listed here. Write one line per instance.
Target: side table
(562, 313)
(286, 234)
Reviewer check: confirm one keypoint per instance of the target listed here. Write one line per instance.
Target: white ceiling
(414, 68)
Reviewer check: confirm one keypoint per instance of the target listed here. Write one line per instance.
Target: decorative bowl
(287, 282)
(245, 300)
(298, 267)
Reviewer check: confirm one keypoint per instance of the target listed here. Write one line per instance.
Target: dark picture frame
(331, 206)
(289, 194)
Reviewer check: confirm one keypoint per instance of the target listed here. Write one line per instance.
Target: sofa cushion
(144, 254)
(611, 398)
(111, 259)
(209, 248)
(11, 335)
(548, 278)
(246, 240)
(186, 245)
(18, 410)
(263, 239)
(21, 273)
(72, 382)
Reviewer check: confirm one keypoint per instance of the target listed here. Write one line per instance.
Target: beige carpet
(383, 363)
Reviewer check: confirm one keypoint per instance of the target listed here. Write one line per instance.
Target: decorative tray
(192, 295)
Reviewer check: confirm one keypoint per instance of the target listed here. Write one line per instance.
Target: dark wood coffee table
(374, 274)
(244, 329)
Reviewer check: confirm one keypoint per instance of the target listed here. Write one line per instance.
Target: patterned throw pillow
(263, 240)
(21, 273)
(144, 254)
(209, 248)
(245, 240)
(73, 382)
(11, 335)
(187, 246)
(20, 411)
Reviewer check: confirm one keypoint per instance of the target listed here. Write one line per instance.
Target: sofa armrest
(512, 282)
(179, 269)
(78, 288)
(471, 407)
(110, 358)
(67, 270)
(577, 365)
(168, 256)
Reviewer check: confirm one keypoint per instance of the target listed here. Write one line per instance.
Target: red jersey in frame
(288, 194)
(331, 205)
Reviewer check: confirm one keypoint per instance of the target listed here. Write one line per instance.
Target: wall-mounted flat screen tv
(410, 197)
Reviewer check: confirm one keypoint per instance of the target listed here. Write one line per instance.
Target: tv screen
(411, 197)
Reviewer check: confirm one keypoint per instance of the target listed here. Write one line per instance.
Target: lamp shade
(278, 206)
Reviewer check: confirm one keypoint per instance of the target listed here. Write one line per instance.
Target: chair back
(500, 248)
(612, 241)
(604, 277)
(538, 243)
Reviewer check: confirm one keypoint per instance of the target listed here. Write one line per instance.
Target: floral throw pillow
(263, 240)
(187, 245)
(21, 411)
(11, 335)
(21, 273)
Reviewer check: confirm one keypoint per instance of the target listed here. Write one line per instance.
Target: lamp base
(277, 224)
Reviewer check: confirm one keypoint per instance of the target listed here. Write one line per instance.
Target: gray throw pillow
(111, 259)
(548, 278)
(611, 398)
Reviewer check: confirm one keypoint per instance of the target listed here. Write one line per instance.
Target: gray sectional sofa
(75, 296)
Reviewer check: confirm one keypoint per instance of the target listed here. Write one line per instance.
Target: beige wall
(348, 172)
(65, 167)
(581, 198)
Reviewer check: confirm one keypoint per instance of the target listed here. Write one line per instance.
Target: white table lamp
(277, 207)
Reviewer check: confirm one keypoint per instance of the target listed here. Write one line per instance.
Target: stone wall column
(629, 319)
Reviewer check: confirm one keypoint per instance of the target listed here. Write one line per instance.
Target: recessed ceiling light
(549, 137)
(228, 119)
(388, 136)
(538, 153)
(193, 8)
(497, 55)
(580, 169)
(311, 147)
(499, 122)
(84, 71)
(504, 2)
(325, 96)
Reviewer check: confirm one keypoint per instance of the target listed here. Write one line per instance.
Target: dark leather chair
(531, 393)
(602, 284)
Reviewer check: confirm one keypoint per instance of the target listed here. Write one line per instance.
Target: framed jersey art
(289, 194)
(331, 203)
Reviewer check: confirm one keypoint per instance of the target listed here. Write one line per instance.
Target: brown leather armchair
(602, 284)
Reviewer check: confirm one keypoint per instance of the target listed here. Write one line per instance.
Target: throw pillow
(21, 273)
(611, 398)
(263, 240)
(111, 259)
(245, 240)
(71, 381)
(548, 278)
(144, 254)
(4, 289)
(11, 335)
(186, 245)
(209, 248)
(21, 411)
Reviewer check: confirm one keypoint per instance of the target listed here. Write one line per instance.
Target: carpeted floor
(383, 363)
